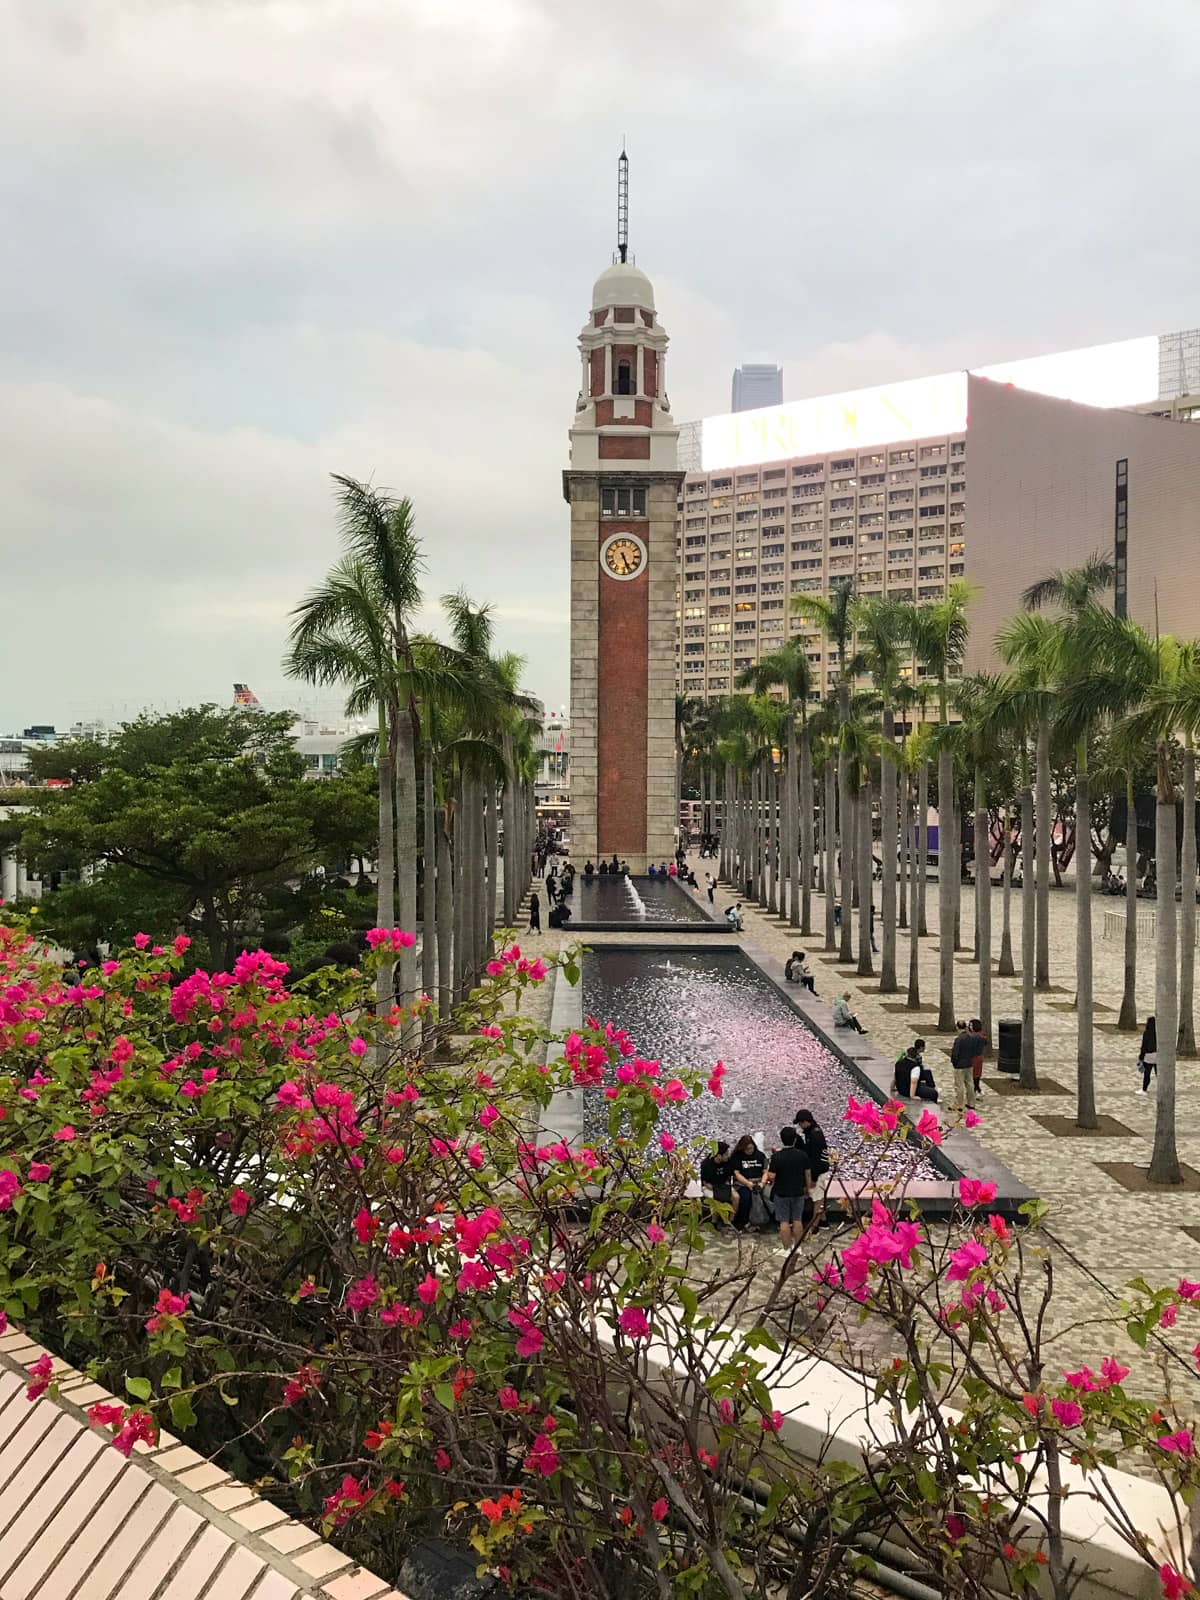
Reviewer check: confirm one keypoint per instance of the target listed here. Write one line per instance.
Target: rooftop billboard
(1120, 374)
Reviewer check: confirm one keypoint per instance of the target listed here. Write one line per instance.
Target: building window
(624, 384)
(622, 502)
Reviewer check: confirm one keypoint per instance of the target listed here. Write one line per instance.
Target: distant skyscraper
(755, 386)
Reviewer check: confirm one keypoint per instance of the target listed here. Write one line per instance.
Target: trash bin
(1008, 1052)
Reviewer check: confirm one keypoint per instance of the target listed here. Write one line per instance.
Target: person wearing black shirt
(820, 1171)
(746, 1169)
(714, 1175)
(788, 1176)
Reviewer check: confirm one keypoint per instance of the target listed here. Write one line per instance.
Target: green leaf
(927, 1484)
(139, 1388)
(182, 1413)
(443, 1393)
(1137, 1333)
(172, 1378)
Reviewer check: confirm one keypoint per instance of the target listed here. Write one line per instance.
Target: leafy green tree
(210, 805)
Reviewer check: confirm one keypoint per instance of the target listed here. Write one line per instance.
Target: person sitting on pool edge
(798, 971)
(914, 1080)
(843, 1017)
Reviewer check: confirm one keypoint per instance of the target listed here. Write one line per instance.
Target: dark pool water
(691, 1009)
(634, 900)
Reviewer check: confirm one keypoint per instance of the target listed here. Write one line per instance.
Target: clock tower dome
(622, 486)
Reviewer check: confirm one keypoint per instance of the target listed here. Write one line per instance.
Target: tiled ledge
(77, 1522)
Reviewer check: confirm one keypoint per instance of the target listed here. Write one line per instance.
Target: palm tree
(835, 617)
(939, 637)
(883, 629)
(1069, 590)
(980, 702)
(789, 669)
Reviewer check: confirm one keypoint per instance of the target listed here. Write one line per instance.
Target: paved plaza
(1107, 1235)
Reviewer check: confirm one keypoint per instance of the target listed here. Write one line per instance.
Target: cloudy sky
(251, 242)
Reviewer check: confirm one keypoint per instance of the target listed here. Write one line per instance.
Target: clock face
(623, 556)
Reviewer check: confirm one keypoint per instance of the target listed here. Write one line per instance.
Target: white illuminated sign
(1122, 374)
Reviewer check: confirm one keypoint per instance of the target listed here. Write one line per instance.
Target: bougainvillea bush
(352, 1269)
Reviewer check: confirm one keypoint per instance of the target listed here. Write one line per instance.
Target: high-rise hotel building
(880, 486)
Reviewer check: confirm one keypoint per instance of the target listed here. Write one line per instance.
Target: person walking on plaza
(787, 1173)
(843, 1017)
(535, 913)
(1148, 1055)
(710, 883)
(967, 1047)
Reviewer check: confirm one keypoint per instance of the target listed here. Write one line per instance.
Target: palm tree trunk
(406, 849)
(904, 861)
(445, 916)
(846, 840)
(513, 843)
(946, 881)
(1085, 1103)
(863, 857)
(795, 873)
(1164, 1157)
(1005, 968)
(1045, 827)
(922, 848)
(803, 815)
(983, 905)
(914, 923)
(774, 817)
(1187, 906)
(385, 867)
(429, 885)
(887, 856)
(1128, 1018)
(831, 942)
(462, 846)
(1029, 1079)
(493, 863)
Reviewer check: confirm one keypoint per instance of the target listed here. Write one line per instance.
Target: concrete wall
(1042, 497)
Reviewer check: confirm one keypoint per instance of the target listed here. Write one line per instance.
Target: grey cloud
(253, 241)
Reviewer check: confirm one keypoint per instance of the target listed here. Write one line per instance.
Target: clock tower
(622, 486)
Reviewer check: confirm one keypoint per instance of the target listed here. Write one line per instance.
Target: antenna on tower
(623, 206)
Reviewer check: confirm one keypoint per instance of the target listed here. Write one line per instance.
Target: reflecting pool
(693, 1008)
(633, 900)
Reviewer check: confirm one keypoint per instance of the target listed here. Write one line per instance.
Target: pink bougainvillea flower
(40, 1372)
(956, 1528)
(104, 1415)
(1112, 1372)
(141, 940)
(974, 1193)
(667, 1142)
(1180, 1443)
(441, 1460)
(999, 1227)
(1085, 1380)
(542, 1457)
(965, 1261)
(1068, 1412)
(363, 1294)
(1032, 1404)
(659, 1509)
(972, 1119)
(1168, 1316)
(65, 1134)
(138, 1428)
(488, 1115)
(181, 943)
(1188, 1290)
(358, 1046)
(39, 1171)
(929, 1127)
(654, 1233)
(1174, 1584)
(725, 1410)
(428, 1289)
(771, 1423)
(240, 1202)
(633, 1323)
(508, 1398)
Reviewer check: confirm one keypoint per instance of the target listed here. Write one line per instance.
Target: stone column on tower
(622, 486)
